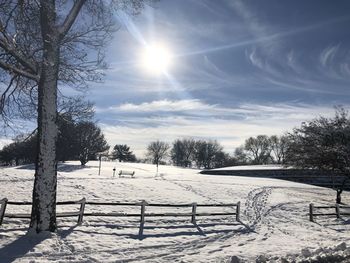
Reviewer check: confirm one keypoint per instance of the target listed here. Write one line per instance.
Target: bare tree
(207, 154)
(258, 149)
(182, 152)
(278, 146)
(157, 151)
(177, 153)
(43, 43)
(240, 156)
(188, 151)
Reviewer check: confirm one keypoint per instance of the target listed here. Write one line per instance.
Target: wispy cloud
(328, 54)
(335, 62)
(230, 125)
(254, 59)
(165, 106)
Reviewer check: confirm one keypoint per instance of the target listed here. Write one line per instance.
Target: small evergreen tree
(91, 141)
(123, 154)
(67, 138)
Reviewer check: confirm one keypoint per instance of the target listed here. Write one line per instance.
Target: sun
(156, 58)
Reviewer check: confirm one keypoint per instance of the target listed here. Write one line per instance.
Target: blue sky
(238, 69)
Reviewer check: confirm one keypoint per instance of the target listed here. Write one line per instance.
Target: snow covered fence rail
(193, 214)
(143, 204)
(338, 211)
(143, 214)
(4, 203)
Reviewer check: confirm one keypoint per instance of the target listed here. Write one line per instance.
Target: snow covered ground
(274, 226)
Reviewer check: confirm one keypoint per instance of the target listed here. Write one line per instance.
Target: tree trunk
(338, 198)
(43, 217)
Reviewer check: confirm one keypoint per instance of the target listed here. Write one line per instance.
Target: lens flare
(156, 58)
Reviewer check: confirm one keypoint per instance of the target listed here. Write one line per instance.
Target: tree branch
(17, 56)
(3, 95)
(73, 13)
(18, 71)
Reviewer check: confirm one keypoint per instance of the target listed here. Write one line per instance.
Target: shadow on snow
(61, 167)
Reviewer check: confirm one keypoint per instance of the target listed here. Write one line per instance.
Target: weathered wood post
(238, 211)
(311, 212)
(194, 211)
(81, 211)
(142, 219)
(143, 210)
(3, 203)
(337, 211)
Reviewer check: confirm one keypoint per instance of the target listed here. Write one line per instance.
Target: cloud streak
(165, 106)
(230, 126)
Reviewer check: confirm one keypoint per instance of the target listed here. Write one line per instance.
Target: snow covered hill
(274, 218)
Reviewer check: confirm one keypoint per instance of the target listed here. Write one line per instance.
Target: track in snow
(255, 206)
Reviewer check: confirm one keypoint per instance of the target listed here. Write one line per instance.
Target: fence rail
(142, 215)
(337, 211)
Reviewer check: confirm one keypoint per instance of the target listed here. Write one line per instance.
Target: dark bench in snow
(122, 172)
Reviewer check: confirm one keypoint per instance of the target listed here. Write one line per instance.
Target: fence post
(311, 212)
(238, 211)
(99, 164)
(81, 211)
(194, 211)
(143, 209)
(337, 211)
(2, 210)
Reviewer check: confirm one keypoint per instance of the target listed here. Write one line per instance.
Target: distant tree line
(208, 154)
(79, 140)
(188, 152)
(262, 149)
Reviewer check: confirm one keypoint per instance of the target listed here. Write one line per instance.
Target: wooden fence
(4, 203)
(193, 214)
(338, 211)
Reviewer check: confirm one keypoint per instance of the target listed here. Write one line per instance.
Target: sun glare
(156, 58)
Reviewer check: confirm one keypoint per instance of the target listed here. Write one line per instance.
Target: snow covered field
(274, 218)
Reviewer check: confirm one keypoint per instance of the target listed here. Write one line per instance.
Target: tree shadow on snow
(61, 167)
(26, 167)
(63, 233)
(340, 225)
(21, 246)
(67, 168)
(187, 230)
(346, 222)
(198, 232)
